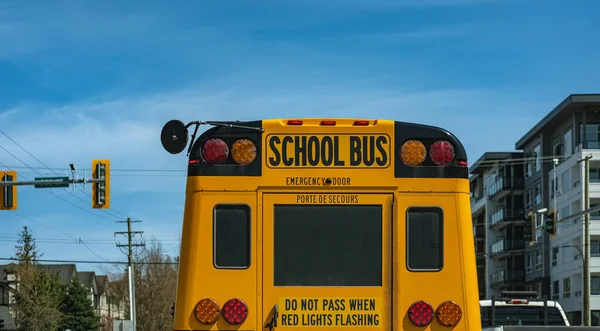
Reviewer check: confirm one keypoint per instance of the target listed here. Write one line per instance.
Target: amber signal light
(207, 311)
(448, 314)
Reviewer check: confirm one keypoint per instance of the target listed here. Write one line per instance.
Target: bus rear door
(327, 260)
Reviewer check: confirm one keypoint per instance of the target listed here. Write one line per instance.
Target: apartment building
(499, 222)
(568, 133)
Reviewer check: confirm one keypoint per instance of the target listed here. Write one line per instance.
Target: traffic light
(8, 194)
(550, 222)
(101, 190)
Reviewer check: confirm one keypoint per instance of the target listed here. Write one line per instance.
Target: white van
(521, 311)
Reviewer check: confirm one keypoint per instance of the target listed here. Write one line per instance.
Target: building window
(596, 214)
(557, 146)
(565, 182)
(529, 265)
(565, 211)
(555, 290)
(567, 287)
(529, 164)
(595, 284)
(554, 255)
(528, 199)
(594, 175)
(538, 194)
(592, 136)
(538, 260)
(568, 142)
(537, 153)
(595, 248)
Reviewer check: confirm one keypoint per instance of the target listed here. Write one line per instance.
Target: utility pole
(586, 244)
(130, 246)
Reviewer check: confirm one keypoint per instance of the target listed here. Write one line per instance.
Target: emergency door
(327, 261)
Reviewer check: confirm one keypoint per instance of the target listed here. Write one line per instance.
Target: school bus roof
(336, 145)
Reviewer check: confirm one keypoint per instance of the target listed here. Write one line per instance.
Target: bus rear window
(328, 245)
(520, 315)
(424, 239)
(231, 236)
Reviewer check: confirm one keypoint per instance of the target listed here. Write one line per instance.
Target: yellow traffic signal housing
(8, 194)
(101, 191)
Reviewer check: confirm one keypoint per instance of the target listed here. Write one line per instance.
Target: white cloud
(127, 131)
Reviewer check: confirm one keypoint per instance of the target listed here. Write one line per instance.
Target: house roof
(3, 269)
(86, 278)
(101, 283)
(65, 271)
(574, 103)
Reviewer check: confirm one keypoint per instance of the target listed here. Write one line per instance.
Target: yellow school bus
(324, 224)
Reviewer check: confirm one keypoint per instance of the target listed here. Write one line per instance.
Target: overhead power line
(111, 169)
(113, 211)
(88, 261)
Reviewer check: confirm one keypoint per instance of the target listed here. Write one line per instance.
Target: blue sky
(88, 80)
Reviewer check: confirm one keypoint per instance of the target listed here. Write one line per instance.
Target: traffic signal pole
(100, 185)
(50, 182)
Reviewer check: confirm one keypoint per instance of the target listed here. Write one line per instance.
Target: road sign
(54, 180)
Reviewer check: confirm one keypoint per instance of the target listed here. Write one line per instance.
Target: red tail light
(215, 151)
(462, 163)
(420, 313)
(235, 311)
(328, 123)
(294, 122)
(442, 153)
(361, 123)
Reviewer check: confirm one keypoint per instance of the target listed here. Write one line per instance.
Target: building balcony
(480, 260)
(503, 186)
(477, 205)
(504, 247)
(590, 145)
(479, 232)
(506, 277)
(505, 216)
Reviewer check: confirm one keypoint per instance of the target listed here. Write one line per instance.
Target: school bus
(325, 224)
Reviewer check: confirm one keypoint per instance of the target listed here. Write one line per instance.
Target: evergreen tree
(38, 295)
(26, 253)
(77, 308)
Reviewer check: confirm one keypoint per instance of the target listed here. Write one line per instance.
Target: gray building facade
(557, 136)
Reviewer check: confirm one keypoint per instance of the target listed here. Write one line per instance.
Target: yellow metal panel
(300, 306)
(198, 277)
(457, 281)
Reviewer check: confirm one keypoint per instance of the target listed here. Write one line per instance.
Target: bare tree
(155, 275)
